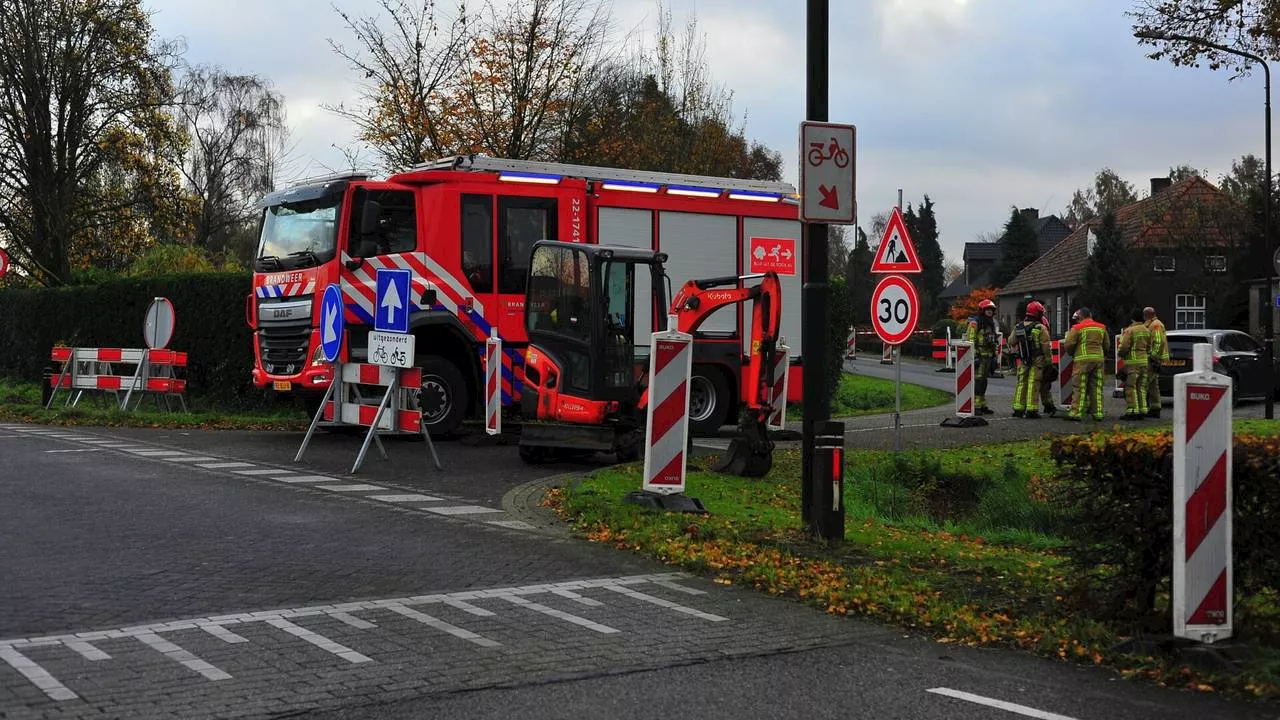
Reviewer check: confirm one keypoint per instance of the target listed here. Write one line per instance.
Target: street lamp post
(1266, 221)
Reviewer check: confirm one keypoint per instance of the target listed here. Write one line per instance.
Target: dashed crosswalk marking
(461, 510)
(247, 469)
(491, 604)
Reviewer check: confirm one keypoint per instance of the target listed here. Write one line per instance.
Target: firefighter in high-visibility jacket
(1135, 341)
(1031, 343)
(1087, 342)
(1157, 355)
(983, 336)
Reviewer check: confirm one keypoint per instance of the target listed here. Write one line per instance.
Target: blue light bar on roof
(755, 195)
(629, 186)
(691, 191)
(529, 177)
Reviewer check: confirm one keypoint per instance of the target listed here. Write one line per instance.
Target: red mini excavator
(586, 374)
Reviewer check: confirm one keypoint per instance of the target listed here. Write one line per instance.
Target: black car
(1234, 353)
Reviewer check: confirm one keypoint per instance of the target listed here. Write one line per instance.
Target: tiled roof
(958, 288)
(1050, 231)
(1140, 223)
(981, 251)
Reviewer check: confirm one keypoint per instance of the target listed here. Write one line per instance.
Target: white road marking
(467, 607)
(678, 588)
(352, 620)
(437, 623)
(266, 471)
(122, 446)
(461, 510)
(88, 651)
(36, 674)
(319, 641)
(190, 459)
(512, 524)
(560, 614)
(178, 655)
(222, 633)
(403, 498)
(306, 479)
(158, 453)
(571, 595)
(224, 465)
(150, 634)
(78, 450)
(998, 704)
(665, 603)
(351, 488)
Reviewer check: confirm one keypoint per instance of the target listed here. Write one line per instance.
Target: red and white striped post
(886, 354)
(778, 388)
(1118, 391)
(966, 410)
(851, 344)
(667, 421)
(1066, 371)
(493, 384)
(1202, 573)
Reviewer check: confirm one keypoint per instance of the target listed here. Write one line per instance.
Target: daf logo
(282, 313)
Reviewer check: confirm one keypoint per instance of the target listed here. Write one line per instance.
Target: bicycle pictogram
(380, 356)
(818, 154)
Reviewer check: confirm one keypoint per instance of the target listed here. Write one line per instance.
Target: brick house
(1183, 238)
(981, 258)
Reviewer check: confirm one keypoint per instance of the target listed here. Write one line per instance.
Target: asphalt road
(165, 574)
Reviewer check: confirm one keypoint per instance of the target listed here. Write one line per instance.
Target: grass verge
(20, 402)
(861, 395)
(988, 576)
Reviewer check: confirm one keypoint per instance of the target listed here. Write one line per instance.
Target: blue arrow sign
(391, 307)
(331, 324)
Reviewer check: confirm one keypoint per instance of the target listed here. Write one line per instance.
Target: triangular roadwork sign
(897, 254)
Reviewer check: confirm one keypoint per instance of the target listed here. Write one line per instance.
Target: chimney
(1031, 214)
(1158, 184)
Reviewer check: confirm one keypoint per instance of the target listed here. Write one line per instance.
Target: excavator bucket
(750, 454)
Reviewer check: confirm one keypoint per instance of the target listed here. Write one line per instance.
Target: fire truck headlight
(317, 357)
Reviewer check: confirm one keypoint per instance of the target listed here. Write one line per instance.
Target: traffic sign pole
(897, 365)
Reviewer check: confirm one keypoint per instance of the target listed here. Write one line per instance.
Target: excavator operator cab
(580, 313)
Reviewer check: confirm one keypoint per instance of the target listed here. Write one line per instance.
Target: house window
(1190, 312)
(1215, 263)
(1163, 264)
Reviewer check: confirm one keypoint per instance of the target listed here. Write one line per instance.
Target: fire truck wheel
(443, 399)
(708, 400)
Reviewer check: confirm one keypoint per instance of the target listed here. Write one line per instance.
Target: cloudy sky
(981, 104)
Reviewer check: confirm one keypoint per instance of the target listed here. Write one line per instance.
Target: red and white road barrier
(851, 345)
(964, 379)
(401, 419)
(886, 354)
(1055, 350)
(1202, 572)
(778, 388)
(1118, 391)
(1066, 371)
(667, 423)
(1000, 353)
(493, 384)
(85, 369)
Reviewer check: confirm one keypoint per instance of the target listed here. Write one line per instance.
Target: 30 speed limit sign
(895, 309)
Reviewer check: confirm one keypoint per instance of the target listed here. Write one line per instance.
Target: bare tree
(524, 75)
(236, 125)
(83, 93)
(405, 73)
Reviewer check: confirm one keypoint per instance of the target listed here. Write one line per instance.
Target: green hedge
(1118, 490)
(210, 327)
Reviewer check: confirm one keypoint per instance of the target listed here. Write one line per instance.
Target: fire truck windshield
(299, 234)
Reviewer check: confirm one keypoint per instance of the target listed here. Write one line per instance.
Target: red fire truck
(465, 227)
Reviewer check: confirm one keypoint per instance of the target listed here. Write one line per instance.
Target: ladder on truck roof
(485, 163)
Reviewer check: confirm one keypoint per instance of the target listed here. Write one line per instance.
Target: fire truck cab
(465, 228)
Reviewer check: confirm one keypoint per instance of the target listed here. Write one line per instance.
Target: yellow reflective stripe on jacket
(1159, 341)
(1139, 341)
(1093, 339)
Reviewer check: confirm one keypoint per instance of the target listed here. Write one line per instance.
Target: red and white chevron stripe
(1202, 580)
(369, 374)
(667, 425)
(964, 379)
(493, 384)
(359, 286)
(778, 389)
(1066, 371)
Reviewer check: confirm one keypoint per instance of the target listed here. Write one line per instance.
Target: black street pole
(1270, 293)
(815, 294)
